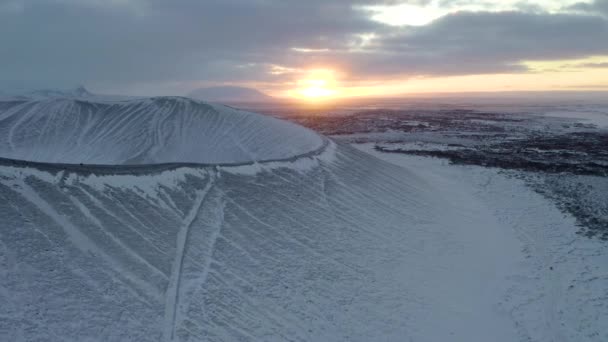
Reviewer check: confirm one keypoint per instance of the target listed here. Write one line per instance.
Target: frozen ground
(329, 243)
(595, 117)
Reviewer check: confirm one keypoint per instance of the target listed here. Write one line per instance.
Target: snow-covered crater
(156, 130)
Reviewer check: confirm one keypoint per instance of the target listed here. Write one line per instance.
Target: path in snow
(173, 290)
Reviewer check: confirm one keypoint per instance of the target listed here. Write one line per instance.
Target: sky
(309, 49)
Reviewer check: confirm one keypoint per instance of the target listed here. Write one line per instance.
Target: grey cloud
(472, 43)
(597, 6)
(65, 42)
(482, 42)
(594, 65)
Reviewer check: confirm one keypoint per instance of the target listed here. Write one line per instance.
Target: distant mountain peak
(229, 94)
(81, 91)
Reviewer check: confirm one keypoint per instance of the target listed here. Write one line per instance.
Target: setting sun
(316, 89)
(316, 92)
(319, 84)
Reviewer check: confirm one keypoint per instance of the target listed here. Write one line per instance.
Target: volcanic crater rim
(157, 132)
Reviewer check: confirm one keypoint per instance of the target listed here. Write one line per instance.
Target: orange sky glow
(322, 84)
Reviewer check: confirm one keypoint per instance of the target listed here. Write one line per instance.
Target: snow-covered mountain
(230, 94)
(205, 223)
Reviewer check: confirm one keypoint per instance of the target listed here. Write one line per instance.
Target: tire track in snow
(172, 295)
(215, 235)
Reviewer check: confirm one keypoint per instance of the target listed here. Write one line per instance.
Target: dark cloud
(68, 41)
(502, 39)
(477, 43)
(594, 65)
(597, 6)
(65, 42)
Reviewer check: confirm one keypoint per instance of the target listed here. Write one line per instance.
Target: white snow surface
(344, 244)
(144, 131)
